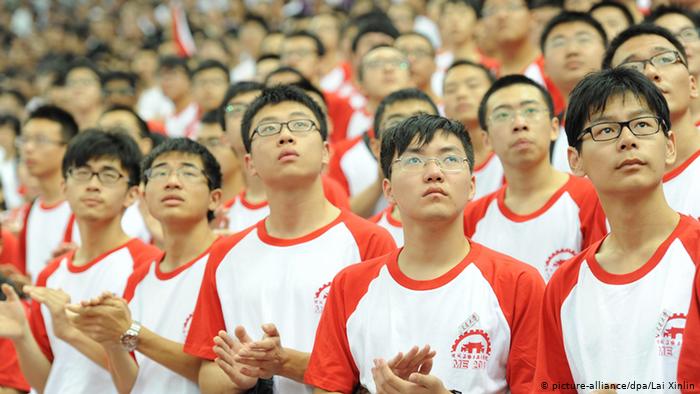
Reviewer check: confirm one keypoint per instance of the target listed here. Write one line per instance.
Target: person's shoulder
(502, 265)
(359, 224)
(141, 251)
(224, 244)
(580, 187)
(481, 203)
(358, 275)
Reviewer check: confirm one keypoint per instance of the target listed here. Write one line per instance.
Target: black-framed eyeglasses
(295, 126)
(236, 110)
(660, 60)
(38, 140)
(106, 176)
(416, 163)
(186, 173)
(608, 131)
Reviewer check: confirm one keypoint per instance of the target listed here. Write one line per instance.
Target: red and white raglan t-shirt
(45, 228)
(480, 317)
(10, 373)
(489, 176)
(242, 213)
(689, 360)
(682, 187)
(183, 123)
(568, 222)
(164, 302)
(253, 278)
(71, 371)
(360, 121)
(600, 328)
(393, 226)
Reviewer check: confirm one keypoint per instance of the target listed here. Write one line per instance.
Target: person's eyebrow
(165, 164)
(658, 51)
(604, 118)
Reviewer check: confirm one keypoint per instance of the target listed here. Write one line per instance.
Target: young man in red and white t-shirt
(276, 275)
(355, 162)
(616, 312)
(101, 173)
(480, 339)
(42, 145)
(539, 205)
(464, 86)
(658, 54)
(182, 189)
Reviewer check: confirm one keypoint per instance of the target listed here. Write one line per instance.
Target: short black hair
(643, 29)
(209, 64)
(173, 63)
(16, 94)
(534, 4)
(469, 63)
(267, 56)
(254, 18)
(473, 4)
(234, 90)
(69, 128)
(425, 38)
(12, 122)
(84, 63)
(618, 6)
(384, 27)
(143, 126)
(211, 169)
(282, 70)
(306, 85)
(93, 144)
(572, 17)
(320, 48)
(275, 95)
(592, 93)
(508, 81)
(211, 117)
(400, 95)
(129, 77)
(420, 129)
(664, 10)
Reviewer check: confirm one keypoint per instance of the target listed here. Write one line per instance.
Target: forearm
(168, 354)
(213, 380)
(32, 361)
(122, 367)
(364, 202)
(87, 346)
(295, 365)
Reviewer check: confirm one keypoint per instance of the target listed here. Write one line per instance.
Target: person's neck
(299, 209)
(87, 118)
(695, 109)
(524, 182)
(183, 242)
(638, 217)
(50, 189)
(482, 150)
(371, 105)
(516, 57)
(254, 189)
(687, 137)
(182, 102)
(97, 238)
(395, 213)
(432, 249)
(466, 50)
(231, 185)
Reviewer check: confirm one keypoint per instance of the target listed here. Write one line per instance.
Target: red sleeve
(22, 258)
(519, 288)
(331, 366)
(143, 253)
(36, 319)
(476, 210)
(689, 361)
(334, 169)
(335, 193)
(372, 240)
(10, 250)
(339, 111)
(10, 373)
(591, 214)
(68, 233)
(208, 318)
(552, 364)
(135, 278)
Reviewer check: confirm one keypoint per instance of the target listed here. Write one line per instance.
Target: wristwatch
(130, 339)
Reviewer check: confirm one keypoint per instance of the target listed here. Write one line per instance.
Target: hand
(264, 358)
(63, 248)
(13, 320)
(416, 360)
(103, 319)
(226, 349)
(12, 273)
(55, 301)
(417, 383)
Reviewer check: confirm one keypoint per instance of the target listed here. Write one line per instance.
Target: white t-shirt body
(682, 187)
(45, 228)
(393, 226)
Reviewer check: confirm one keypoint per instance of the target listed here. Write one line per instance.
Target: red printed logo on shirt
(555, 259)
(471, 350)
(669, 334)
(186, 326)
(321, 296)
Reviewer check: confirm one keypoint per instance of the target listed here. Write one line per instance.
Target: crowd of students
(409, 197)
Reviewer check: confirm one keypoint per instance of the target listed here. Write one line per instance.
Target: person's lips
(287, 154)
(632, 162)
(434, 191)
(172, 199)
(522, 143)
(91, 201)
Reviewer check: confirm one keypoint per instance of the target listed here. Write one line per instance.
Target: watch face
(130, 342)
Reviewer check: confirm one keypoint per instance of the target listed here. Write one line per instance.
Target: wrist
(129, 340)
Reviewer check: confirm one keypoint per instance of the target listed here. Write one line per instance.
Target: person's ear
(249, 166)
(575, 161)
(671, 155)
(132, 194)
(388, 191)
(215, 197)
